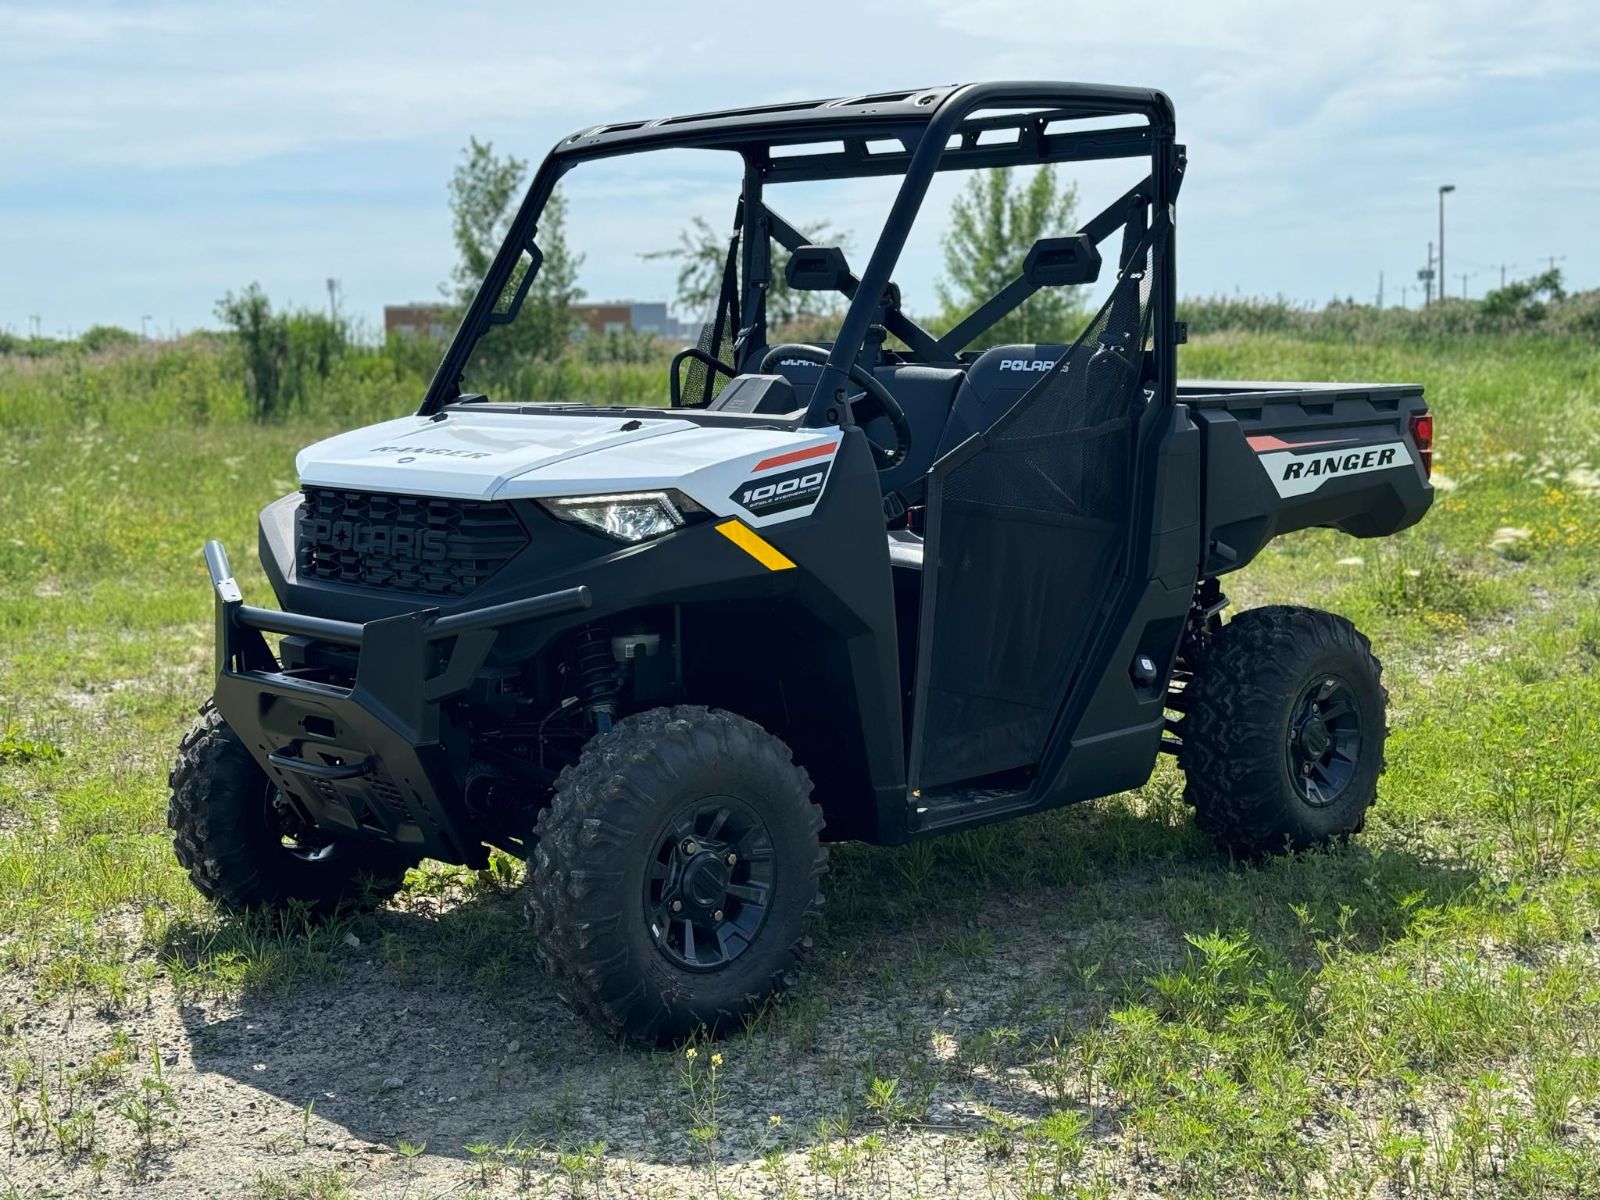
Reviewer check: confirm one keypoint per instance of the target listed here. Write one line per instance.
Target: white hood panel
(468, 456)
(486, 455)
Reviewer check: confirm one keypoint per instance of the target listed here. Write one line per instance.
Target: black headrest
(817, 269)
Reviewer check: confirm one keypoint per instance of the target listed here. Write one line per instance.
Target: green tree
(546, 315)
(484, 192)
(702, 254)
(1528, 299)
(993, 224)
(483, 197)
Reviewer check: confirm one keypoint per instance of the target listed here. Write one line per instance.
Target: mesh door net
(1025, 539)
(700, 382)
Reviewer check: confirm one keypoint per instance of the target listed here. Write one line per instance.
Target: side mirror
(1059, 261)
(817, 269)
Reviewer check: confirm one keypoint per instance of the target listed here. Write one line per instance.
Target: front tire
(236, 837)
(676, 869)
(1284, 734)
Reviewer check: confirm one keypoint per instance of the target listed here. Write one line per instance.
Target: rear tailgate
(1285, 456)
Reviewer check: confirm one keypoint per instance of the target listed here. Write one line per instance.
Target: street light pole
(1443, 188)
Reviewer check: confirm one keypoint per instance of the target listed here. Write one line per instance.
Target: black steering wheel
(880, 396)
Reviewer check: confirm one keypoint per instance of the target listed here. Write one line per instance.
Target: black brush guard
(372, 760)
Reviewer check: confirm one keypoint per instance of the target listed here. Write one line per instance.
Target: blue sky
(158, 155)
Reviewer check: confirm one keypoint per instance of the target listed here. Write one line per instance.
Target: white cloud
(292, 141)
(184, 86)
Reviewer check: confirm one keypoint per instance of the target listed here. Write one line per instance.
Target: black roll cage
(933, 133)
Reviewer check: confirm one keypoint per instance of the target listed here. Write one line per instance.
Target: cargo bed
(1280, 456)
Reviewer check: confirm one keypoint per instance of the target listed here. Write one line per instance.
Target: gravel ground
(386, 1064)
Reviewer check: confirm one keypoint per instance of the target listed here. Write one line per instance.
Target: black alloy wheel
(710, 883)
(1324, 741)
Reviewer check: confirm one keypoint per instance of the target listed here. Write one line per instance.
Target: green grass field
(1089, 1003)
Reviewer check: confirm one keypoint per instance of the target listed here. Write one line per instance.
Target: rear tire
(676, 870)
(1284, 735)
(229, 834)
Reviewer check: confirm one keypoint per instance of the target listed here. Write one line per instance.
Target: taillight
(1422, 435)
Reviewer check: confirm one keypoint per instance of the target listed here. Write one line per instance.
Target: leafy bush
(1535, 306)
(621, 346)
(284, 354)
(99, 338)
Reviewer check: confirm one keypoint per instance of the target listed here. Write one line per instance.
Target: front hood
(468, 455)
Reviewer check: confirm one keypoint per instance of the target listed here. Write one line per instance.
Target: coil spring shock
(598, 677)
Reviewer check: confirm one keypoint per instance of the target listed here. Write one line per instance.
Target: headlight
(630, 516)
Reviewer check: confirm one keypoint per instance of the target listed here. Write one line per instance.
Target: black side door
(1027, 530)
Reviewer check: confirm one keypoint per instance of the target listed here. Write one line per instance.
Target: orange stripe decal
(794, 456)
(1267, 441)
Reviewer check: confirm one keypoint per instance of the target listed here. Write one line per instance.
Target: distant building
(619, 316)
(434, 321)
(597, 320)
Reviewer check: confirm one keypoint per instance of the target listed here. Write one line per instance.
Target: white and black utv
(875, 588)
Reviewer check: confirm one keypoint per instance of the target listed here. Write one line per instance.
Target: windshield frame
(924, 123)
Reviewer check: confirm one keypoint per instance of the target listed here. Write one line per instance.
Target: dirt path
(383, 1063)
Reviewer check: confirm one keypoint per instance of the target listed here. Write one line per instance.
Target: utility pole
(1425, 277)
(333, 300)
(144, 327)
(33, 323)
(1443, 188)
(1380, 290)
(1464, 277)
(1404, 292)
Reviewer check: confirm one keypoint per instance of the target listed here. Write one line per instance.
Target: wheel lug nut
(731, 859)
(689, 848)
(677, 906)
(717, 916)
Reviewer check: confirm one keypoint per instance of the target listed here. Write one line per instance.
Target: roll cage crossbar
(914, 134)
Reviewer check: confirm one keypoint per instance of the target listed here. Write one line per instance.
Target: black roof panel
(856, 116)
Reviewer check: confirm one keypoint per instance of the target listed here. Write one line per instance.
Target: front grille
(427, 544)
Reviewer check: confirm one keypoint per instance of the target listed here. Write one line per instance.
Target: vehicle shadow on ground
(431, 1031)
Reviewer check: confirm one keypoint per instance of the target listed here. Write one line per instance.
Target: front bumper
(372, 760)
